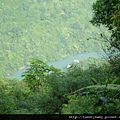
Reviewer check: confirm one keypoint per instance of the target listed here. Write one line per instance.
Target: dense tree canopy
(48, 30)
(88, 87)
(107, 12)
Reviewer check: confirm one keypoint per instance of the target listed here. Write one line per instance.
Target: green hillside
(45, 29)
(87, 89)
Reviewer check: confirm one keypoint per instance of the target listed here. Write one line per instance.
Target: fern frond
(114, 87)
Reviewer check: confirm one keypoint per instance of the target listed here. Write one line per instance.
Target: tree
(104, 98)
(107, 12)
(35, 76)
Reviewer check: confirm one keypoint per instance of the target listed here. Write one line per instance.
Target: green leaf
(103, 99)
(94, 81)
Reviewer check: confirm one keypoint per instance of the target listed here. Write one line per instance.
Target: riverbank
(62, 64)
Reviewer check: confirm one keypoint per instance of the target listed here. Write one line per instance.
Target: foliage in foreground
(46, 89)
(53, 91)
(107, 13)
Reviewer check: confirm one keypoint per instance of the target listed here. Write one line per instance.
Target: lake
(62, 64)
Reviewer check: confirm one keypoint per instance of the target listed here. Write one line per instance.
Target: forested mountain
(45, 29)
(88, 87)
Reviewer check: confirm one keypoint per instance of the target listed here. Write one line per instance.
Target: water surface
(62, 64)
